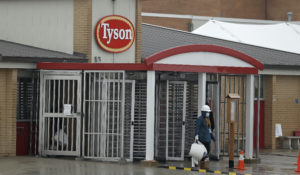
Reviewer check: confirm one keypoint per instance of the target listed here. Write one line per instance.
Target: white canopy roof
(282, 36)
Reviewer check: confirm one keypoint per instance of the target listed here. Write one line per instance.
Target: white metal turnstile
(60, 113)
(103, 125)
(175, 120)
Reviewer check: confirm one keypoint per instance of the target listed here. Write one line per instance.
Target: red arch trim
(203, 48)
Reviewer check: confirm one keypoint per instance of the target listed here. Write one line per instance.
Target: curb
(200, 170)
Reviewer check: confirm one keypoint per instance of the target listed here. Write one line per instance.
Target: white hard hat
(205, 108)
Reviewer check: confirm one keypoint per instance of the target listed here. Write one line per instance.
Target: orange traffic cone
(298, 162)
(298, 168)
(241, 164)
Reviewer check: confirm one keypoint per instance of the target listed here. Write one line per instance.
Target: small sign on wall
(114, 33)
(67, 109)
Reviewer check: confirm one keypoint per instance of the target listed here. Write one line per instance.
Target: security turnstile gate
(60, 113)
(103, 124)
(175, 120)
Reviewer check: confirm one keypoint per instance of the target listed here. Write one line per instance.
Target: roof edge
(203, 48)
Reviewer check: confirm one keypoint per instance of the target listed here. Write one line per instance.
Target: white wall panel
(46, 24)
(204, 59)
(101, 8)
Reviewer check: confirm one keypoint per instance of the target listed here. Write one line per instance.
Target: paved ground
(279, 162)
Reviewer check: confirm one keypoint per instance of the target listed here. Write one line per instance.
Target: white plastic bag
(198, 151)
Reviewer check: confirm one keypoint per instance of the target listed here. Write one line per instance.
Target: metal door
(60, 113)
(175, 128)
(103, 124)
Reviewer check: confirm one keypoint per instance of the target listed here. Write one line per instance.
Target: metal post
(249, 116)
(150, 115)
(258, 119)
(201, 91)
(231, 145)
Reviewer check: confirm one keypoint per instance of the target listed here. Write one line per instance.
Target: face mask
(207, 114)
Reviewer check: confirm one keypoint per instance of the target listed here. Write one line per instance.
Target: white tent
(282, 36)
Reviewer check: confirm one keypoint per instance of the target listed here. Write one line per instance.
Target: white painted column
(150, 115)
(249, 117)
(201, 91)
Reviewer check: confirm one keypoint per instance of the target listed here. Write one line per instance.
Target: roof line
(183, 16)
(189, 33)
(33, 47)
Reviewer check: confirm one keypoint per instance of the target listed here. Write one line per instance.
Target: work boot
(204, 164)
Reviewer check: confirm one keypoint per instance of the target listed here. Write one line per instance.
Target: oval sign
(115, 33)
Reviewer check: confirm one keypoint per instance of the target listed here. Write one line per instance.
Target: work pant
(207, 146)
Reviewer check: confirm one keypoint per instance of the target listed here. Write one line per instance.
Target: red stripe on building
(93, 66)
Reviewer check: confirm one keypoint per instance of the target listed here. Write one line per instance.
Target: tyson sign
(115, 33)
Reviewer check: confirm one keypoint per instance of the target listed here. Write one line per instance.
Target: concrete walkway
(279, 162)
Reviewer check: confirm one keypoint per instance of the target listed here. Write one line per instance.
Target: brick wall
(277, 9)
(8, 114)
(268, 125)
(231, 8)
(281, 93)
(248, 9)
(180, 24)
(138, 30)
(83, 27)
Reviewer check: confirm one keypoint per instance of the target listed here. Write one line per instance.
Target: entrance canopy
(188, 58)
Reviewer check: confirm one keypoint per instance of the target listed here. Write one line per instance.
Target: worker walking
(203, 132)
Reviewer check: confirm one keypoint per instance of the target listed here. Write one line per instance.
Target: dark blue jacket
(202, 130)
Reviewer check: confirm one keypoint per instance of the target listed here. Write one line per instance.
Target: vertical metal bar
(99, 116)
(54, 95)
(224, 118)
(113, 116)
(78, 112)
(258, 119)
(118, 115)
(40, 107)
(58, 133)
(228, 124)
(107, 112)
(89, 115)
(63, 93)
(49, 97)
(218, 114)
(238, 116)
(73, 96)
(84, 114)
(38, 83)
(48, 131)
(132, 118)
(173, 117)
(183, 125)
(58, 97)
(122, 113)
(167, 121)
(243, 113)
(94, 115)
(41, 112)
(63, 133)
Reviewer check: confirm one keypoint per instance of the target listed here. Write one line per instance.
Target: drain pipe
(258, 119)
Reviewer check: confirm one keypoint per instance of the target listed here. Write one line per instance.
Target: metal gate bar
(175, 120)
(104, 115)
